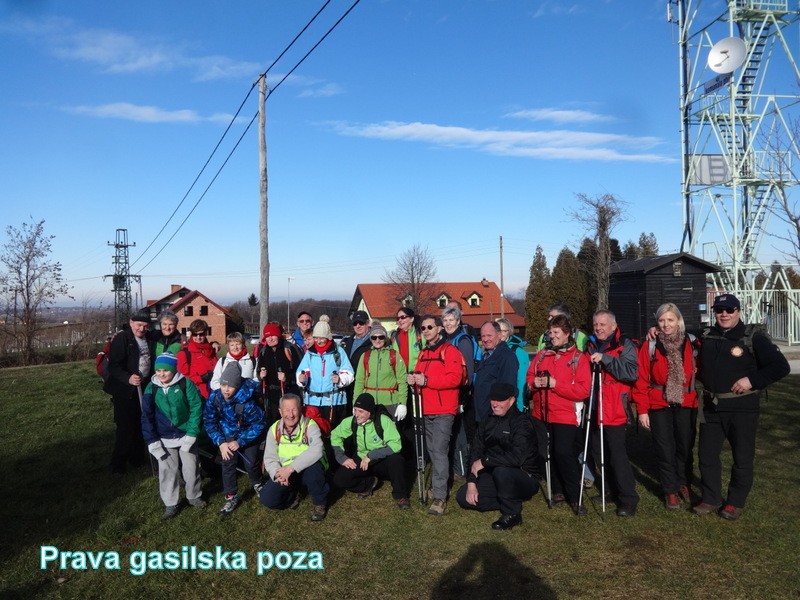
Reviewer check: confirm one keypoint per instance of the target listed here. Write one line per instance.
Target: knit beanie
(167, 361)
(322, 330)
(365, 402)
(231, 375)
(272, 329)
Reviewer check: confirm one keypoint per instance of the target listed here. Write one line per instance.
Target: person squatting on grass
(294, 457)
(737, 361)
(666, 403)
(171, 412)
(368, 451)
(503, 466)
(235, 424)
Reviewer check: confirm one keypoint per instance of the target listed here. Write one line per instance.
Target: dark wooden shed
(638, 287)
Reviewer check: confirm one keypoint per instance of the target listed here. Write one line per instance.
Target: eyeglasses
(724, 309)
(304, 320)
(358, 323)
(426, 327)
(403, 317)
(377, 337)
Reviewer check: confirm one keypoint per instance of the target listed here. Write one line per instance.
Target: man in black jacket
(737, 361)
(503, 461)
(129, 368)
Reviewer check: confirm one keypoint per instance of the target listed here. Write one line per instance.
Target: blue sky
(442, 123)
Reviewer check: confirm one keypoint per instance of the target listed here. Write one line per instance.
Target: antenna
(727, 55)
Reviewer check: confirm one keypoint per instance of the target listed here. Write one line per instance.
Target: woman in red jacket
(560, 377)
(667, 402)
(197, 358)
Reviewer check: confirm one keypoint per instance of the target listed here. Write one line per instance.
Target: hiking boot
(372, 483)
(730, 512)
(231, 502)
(506, 522)
(704, 508)
(557, 498)
(579, 509)
(626, 510)
(170, 512)
(198, 503)
(671, 501)
(687, 495)
(257, 487)
(318, 512)
(403, 503)
(437, 507)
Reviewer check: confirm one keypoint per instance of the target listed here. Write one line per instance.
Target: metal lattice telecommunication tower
(122, 278)
(739, 154)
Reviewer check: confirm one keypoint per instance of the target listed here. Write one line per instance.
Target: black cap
(142, 316)
(502, 391)
(726, 301)
(359, 315)
(365, 402)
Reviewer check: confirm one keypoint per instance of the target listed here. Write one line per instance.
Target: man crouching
(503, 459)
(374, 452)
(294, 456)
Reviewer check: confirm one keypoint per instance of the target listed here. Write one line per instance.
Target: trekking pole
(602, 441)
(588, 424)
(419, 440)
(141, 410)
(546, 415)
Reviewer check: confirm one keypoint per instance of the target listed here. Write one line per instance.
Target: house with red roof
(193, 304)
(480, 301)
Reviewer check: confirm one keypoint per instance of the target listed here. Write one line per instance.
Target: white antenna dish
(727, 55)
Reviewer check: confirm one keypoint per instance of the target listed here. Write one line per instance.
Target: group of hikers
(301, 413)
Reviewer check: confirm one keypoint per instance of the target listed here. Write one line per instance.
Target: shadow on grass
(489, 570)
(57, 492)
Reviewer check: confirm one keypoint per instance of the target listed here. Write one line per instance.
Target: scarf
(673, 347)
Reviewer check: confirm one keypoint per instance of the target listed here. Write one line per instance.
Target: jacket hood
(157, 382)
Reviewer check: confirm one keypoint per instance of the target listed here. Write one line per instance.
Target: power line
(222, 138)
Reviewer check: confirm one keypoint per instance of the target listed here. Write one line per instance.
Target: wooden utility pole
(502, 285)
(263, 229)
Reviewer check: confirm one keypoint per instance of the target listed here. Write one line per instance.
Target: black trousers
(565, 472)
(128, 441)
(674, 431)
(739, 428)
(617, 467)
(500, 488)
(391, 468)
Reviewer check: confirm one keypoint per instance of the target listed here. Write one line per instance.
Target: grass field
(57, 433)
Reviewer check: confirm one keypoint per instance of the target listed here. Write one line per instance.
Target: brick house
(193, 304)
(480, 301)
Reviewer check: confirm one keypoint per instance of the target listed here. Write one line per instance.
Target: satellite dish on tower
(727, 55)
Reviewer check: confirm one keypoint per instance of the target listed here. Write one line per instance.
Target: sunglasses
(426, 327)
(403, 317)
(359, 323)
(724, 309)
(377, 337)
(304, 320)
(198, 335)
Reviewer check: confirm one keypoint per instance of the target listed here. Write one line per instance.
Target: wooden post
(263, 229)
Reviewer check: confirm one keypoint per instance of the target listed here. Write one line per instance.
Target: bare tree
(30, 282)
(599, 215)
(411, 277)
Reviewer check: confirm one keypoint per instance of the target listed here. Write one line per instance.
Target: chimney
(175, 288)
(485, 282)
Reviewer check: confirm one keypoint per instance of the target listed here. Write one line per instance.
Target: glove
(400, 412)
(158, 450)
(187, 442)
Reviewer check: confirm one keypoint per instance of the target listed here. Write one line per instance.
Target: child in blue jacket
(235, 423)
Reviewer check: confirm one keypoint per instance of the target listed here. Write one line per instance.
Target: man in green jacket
(372, 454)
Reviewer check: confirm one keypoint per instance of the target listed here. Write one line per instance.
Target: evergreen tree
(538, 296)
(587, 258)
(569, 286)
(648, 245)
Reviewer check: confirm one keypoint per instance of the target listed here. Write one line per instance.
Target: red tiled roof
(382, 300)
(194, 294)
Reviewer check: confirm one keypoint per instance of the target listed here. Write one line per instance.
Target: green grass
(56, 438)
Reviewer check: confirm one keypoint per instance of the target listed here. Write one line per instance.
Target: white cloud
(561, 115)
(324, 91)
(558, 144)
(557, 8)
(144, 114)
